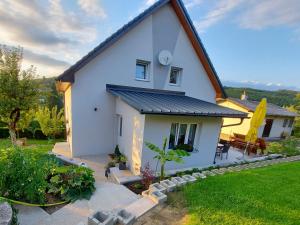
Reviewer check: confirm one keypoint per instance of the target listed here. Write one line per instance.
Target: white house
(149, 80)
(278, 123)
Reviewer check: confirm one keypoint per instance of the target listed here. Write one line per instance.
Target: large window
(182, 134)
(142, 70)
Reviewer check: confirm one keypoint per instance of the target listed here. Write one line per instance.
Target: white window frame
(186, 138)
(120, 126)
(179, 70)
(147, 67)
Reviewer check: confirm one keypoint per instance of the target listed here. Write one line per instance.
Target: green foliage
(296, 108)
(72, 182)
(51, 121)
(18, 91)
(164, 156)
(289, 147)
(138, 186)
(24, 173)
(117, 151)
(110, 164)
(122, 159)
(281, 97)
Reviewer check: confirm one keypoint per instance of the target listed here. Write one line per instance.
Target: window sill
(144, 80)
(176, 85)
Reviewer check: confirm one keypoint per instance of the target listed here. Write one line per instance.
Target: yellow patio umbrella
(256, 121)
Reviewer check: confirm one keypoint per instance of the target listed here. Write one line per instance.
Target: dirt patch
(163, 215)
(50, 200)
(171, 213)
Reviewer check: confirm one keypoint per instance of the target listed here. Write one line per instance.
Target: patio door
(267, 128)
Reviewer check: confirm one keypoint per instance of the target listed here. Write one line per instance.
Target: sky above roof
(247, 40)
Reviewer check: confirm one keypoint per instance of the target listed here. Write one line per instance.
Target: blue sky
(247, 40)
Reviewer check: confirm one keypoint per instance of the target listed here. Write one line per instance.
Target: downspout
(234, 124)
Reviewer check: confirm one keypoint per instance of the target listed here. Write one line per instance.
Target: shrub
(24, 173)
(147, 176)
(72, 182)
(117, 151)
(287, 147)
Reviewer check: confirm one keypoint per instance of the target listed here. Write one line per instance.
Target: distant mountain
(279, 97)
(258, 85)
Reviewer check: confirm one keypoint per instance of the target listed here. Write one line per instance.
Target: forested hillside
(281, 97)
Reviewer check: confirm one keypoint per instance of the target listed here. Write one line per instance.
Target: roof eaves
(202, 46)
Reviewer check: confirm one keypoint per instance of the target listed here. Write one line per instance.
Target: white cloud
(150, 2)
(192, 3)
(219, 12)
(260, 14)
(92, 7)
(46, 30)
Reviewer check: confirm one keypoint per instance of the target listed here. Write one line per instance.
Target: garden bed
(35, 177)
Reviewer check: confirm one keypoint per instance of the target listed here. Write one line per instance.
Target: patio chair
(222, 150)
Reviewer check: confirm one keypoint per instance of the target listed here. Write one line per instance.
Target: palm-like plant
(164, 155)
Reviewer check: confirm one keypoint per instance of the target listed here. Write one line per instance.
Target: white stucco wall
(68, 115)
(206, 139)
(131, 141)
(93, 131)
(277, 127)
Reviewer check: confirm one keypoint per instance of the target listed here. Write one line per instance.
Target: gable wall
(93, 131)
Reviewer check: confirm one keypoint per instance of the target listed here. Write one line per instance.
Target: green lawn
(268, 195)
(38, 145)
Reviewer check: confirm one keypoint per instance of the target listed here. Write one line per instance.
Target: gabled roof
(272, 110)
(163, 102)
(68, 75)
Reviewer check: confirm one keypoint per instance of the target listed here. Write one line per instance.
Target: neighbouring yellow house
(278, 123)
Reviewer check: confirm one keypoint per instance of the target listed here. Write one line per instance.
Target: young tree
(296, 108)
(164, 155)
(51, 121)
(18, 90)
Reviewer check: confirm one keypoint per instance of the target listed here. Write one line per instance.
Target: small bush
(24, 173)
(117, 151)
(287, 147)
(147, 176)
(72, 182)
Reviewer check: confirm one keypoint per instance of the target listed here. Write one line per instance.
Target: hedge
(4, 133)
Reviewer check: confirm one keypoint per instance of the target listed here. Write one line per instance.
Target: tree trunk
(13, 137)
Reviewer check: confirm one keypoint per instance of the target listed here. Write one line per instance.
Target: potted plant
(122, 162)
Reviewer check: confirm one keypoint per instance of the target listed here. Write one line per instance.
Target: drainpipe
(234, 124)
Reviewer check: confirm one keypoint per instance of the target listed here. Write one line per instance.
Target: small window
(173, 133)
(120, 126)
(285, 122)
(142, 70)
(192, 134)
(291, 123)
(175, 76)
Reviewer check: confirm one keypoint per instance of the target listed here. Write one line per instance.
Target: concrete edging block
(178, 181)
(101, 218)
(169, 185)
(189, 178)
(125, 218)
(199, 175)
(157, 187)
(158, 197)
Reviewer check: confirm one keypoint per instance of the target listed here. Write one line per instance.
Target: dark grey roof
(154, 101)
(68, 75)
(272, 110)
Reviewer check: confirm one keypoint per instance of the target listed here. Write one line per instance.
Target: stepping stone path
(6, 214)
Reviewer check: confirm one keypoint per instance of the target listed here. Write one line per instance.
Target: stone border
(158, 194)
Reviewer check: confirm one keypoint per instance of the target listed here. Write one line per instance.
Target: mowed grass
(269, 195)
(42, 146)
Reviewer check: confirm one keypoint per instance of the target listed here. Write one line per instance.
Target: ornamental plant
(147, 176)
(164, 156)
(72, 182)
